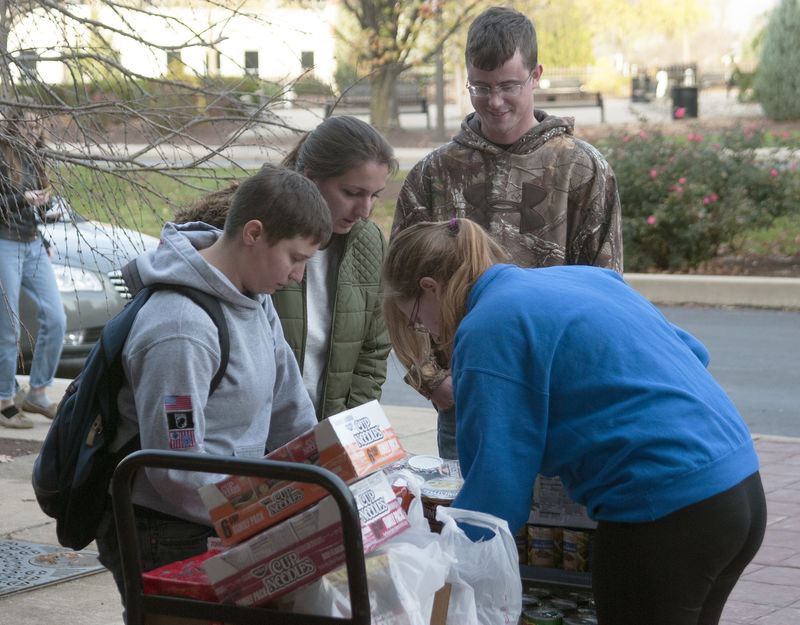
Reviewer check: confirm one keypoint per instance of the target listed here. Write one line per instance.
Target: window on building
(174, 57)
(251, 62)
(213, 62)
(307, 59)
(27, 60)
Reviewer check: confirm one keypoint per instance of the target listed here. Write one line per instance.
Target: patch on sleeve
(180, 421)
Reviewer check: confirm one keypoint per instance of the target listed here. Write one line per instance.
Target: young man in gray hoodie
(276, 222)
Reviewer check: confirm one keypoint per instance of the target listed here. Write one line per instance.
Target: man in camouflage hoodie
(547, 197)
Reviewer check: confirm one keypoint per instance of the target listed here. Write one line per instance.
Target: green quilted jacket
(359, 343)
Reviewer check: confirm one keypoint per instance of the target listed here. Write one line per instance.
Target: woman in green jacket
(333, 319)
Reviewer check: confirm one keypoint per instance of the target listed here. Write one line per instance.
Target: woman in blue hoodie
(568, 371)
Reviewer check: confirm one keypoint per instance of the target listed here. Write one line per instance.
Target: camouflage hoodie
(548, 199)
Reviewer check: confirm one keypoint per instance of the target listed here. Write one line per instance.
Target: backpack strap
(211, 305)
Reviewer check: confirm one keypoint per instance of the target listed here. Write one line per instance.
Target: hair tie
(454, 225)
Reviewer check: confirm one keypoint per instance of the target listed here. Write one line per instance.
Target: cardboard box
(553, 506)
(352, 444)
(303, 547)
(186, 578)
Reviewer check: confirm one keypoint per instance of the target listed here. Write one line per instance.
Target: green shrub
(684, 197)
(777, 85)
(311, 86)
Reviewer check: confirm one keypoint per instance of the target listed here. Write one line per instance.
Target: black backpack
(72, 473)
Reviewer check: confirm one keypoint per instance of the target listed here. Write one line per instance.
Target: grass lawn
(144, 201)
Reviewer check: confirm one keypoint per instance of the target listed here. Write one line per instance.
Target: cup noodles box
(351, 444)
(303, 547)
(186, 578)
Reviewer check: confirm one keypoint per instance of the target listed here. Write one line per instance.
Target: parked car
(88, 257)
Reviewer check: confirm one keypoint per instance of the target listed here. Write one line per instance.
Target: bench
(568, 93)
(357, 98)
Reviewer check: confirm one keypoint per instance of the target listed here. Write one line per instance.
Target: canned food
(529, 602)
(575, 546)
(438, 492)
(563, 605)
(542, 546)
(539, 616)
(583, 599)
(538, 592)
(521, 540)
(429, 465)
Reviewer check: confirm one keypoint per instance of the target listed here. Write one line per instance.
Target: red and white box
(351, 444)
(186, 578)
(304, 547)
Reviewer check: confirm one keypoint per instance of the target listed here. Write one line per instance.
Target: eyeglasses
(413, 324)
(506, 90)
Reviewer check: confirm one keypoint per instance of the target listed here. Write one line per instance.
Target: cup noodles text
(351, 444)
(303, 547)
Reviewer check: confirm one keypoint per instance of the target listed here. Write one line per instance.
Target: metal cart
(139, 605)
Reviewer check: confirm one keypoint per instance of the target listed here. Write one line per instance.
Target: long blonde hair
(455, 253)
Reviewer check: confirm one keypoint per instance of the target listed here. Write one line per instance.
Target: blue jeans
(446, 433)
(162, 539)
(26, 266)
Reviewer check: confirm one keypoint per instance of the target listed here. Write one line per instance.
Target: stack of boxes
(280, 535)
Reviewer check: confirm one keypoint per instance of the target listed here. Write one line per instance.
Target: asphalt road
(754, 357)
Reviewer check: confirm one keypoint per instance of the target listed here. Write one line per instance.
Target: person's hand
(50, 252)
(442, 397)
(37, 197)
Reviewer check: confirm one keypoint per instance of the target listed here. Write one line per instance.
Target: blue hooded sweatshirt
(568, 371)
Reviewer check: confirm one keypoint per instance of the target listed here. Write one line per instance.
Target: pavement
(767, 594)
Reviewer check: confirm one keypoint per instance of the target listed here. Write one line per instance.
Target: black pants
(680, 569)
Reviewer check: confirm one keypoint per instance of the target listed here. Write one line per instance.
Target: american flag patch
(180, 421)
(177, 403)
(181, 439)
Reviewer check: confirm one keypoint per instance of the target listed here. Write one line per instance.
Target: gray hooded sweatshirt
(170, 357)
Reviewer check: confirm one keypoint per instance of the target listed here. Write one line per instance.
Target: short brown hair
(495, 36)
(286, 203)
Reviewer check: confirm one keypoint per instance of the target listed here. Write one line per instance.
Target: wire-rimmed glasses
(506, 90)
(413, 324)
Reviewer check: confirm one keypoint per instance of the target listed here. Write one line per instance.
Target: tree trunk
(383, 110)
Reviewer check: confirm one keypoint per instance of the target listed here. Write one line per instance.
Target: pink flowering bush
(684, 197)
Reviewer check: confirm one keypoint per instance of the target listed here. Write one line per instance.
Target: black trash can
(684, 99)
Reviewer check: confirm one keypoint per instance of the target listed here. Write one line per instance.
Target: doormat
(25, 566)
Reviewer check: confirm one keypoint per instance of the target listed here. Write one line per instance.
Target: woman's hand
(442, 397)
(37, 197)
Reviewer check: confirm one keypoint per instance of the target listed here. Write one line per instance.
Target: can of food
(575, 547)
(541, 616)
(521, 539)
(428, 466)
(541, 546)
(538, 592)
(438, 492)
(583, 599)
(578, 620)
(563, 605)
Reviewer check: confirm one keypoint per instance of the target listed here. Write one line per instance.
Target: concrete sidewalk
(767, 594)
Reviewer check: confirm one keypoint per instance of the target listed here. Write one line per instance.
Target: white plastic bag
(490, 567)
(403, 576)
